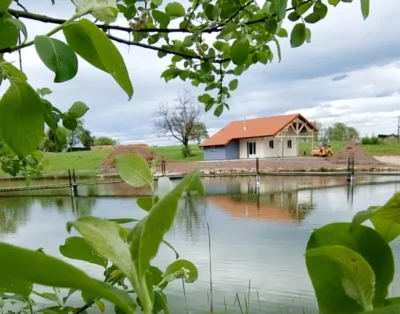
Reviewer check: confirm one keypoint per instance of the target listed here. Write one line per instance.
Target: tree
(341, 132)
(79, 135)
(178, 121)
(199, 133)
(319, 126)
(104, 141)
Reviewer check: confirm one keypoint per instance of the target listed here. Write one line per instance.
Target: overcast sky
(350, 72)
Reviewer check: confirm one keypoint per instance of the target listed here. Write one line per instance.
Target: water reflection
(257, 233)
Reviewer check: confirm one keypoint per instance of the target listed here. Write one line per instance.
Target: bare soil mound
(139, 149)
(353, 149)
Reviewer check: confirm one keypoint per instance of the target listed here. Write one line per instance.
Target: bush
(103, 141)
(371, 140)
(186, 151)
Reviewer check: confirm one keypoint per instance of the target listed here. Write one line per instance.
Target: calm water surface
(257, 239)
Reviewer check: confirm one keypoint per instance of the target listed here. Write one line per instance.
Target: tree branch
(21, 5)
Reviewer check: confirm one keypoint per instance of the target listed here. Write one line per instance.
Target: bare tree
(178, 121)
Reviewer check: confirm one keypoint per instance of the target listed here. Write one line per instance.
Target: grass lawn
(174, 153)
(86, 160)
(385, 148)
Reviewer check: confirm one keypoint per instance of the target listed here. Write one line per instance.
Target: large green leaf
(175, 10)
(21, 118)
(103, 10)
(147, 235)
(280, 8)
(358, 278)
(78, 110)
(49, 118)
(12, 73)
(391, 309)
(35, 267)
(365, 8)
(78, 248)
(14, 285)
(8, 32)
(4, 4)
(298, 35)
(134, 170)
(58, 57)
(240, 51)
(93, 45)
(20, 26)
(326, 275)
(146, 203)
(386, 219)
(161, 18)
(181, 269)
(104, 237)
(362, 216)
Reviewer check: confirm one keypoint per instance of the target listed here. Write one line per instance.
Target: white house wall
(259, 147)
(271, 152)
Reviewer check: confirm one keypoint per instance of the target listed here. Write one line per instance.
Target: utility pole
(398, 128)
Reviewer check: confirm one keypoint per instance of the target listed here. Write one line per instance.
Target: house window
(214, 148)
(289, 144)
(251, 148)
(271, 144)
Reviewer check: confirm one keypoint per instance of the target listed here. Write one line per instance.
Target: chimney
(244, 124)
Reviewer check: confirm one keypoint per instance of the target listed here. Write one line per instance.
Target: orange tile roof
(260, 127)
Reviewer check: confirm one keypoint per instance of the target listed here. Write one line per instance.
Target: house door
(251, 149)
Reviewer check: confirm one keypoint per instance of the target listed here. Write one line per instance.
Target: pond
(257, 236)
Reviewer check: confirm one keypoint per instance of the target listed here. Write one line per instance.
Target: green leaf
(78, 110)
(70, 122)
(146, 203)
(233, 84)
(78, 248)
(61, 138)
(205, 98)
(263, 56)
(121, 221)
(303, 8)
(35, 267)
(157, 2)
(104, 237)
(387, 219)
(49, 118)
(17, 286)
(362, 216)
(12, 73)
(294, 16)
(103, 10)
(321, 9)
(161, 18)
(179, 267)
(280, 8)
(8, 32)
(282, 33)
(358, 278)
(93, 45)
(240, 51)
(147, 235)
(391, 309)
(58, 57)
(312, 18)
(49, 296)
(278, 48)
(298, 35)
(172, 248)
(175, 10)
(164, 186)
(4, 4)
(308, 35)
(326, 275)
(365, 8)
(134, 170)
(160, 302)
(21, 118)
(100, 306)
(20, 26)
(44, 91)
(218, 111)
(333, 2)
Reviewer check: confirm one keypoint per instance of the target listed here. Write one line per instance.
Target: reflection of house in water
(274, 199)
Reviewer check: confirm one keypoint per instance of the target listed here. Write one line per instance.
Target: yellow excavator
(323, 150)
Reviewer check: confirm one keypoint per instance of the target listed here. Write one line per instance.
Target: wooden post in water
(350, 169)
(75, 185)
(71, 188)
(257, 172)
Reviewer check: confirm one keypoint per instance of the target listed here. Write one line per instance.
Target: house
(388, 137)
(264, 137)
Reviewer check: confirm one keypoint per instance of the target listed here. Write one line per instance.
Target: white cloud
(361, 55)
